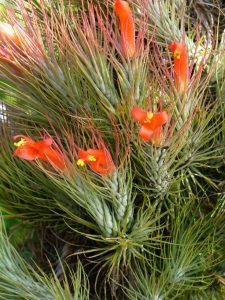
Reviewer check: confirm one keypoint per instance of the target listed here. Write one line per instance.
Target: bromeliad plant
(121, 150)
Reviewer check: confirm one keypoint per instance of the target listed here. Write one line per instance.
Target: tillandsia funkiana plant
(112, 151)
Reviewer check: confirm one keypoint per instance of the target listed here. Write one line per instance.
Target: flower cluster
(98, 159)
(151, 130)
(9, 34)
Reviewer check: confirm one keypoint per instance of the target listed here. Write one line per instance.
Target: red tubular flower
(122, 9)
(151, 124)
(99, 160)
(180, 53)
(30, 150)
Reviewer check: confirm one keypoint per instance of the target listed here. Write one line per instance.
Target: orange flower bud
(180, 65)
(127, 28)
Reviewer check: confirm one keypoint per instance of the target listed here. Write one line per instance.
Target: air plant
(119, 150)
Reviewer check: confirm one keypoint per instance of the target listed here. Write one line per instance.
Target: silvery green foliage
(20, 281)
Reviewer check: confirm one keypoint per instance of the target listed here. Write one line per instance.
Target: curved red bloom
(99, 160)
(127, 28)
(30, 150)
(151, 124)
(180, 53)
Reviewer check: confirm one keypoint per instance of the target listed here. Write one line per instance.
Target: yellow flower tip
(80, 163)
(149, 117)
(177, 54)
(22, 142)
(91, 158)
